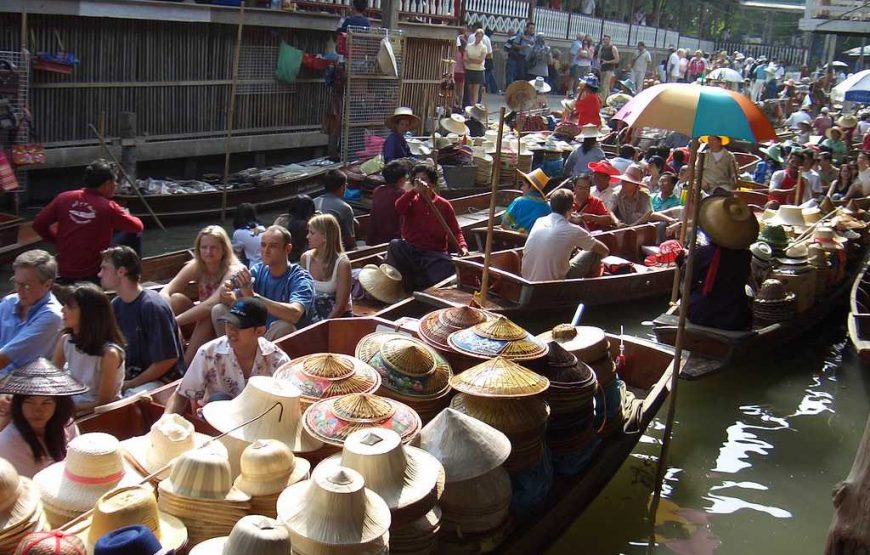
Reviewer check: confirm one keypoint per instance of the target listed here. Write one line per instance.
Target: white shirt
(674, 65)
(469, 38)
(814, 180)
(248, 241)
(641, 62)
(862, 182)
(607, 196)
(549, 246)
(794, 120)
(863, 127)
(587, 7)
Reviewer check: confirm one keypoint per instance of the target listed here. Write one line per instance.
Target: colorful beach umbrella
(696, 110)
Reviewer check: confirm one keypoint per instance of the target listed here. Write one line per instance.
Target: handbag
(8, 181)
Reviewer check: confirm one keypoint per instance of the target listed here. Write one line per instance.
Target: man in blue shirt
(286, 289)
(30, 318)
(357, 18)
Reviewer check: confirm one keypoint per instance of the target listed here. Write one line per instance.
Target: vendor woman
(402, 121)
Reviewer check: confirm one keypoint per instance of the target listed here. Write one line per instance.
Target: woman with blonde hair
(329, 268)
(214, 262)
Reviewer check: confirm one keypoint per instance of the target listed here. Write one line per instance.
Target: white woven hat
(252, 535)
(268, 466)
(465, 446)
(788, 215)
(93, 466)
(203, 474)
(455, 124)
(282, 423)
(18, 497)
(169, 437)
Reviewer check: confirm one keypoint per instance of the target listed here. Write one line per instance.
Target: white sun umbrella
(855, 88)
(725, 74)
(857, 51)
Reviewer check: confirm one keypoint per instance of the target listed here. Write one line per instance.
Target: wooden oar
(487, 251)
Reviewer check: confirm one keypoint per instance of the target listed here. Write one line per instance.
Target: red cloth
(588, 110)
(421, 228)
(384, 223)
(710, 280)
(785, 194)
(595, 207)
(865, 145)
(85, 224)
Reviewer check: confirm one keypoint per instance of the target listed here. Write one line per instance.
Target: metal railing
(791, 55)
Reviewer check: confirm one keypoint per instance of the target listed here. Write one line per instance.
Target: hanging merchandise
(28, 154)
(61, 61)
(289, 62)
(8, 79)
(8, 181)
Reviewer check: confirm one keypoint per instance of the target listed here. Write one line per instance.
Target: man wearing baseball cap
(221, 367)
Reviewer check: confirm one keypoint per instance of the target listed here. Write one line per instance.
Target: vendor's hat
(400, 113)
(537, 178)
(774, 152)
(252, 535)
(18, 497)
(131, 505)
(633, 174)
(268, 466)
(477, 112)
(466, 447)
(169, 437)
(40, 377)
(728, 222)
(455, 124)
(282, 422)
(847, 121)
(725, 139)
(131, 540)
(588, 131)
(382, 282)
(52, 542)
(541, 86)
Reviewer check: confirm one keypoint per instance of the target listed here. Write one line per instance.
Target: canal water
(756, 450)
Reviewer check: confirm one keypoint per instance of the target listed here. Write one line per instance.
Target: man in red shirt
(86, 219)
(589, 212)
(384, 224)
(421, 255)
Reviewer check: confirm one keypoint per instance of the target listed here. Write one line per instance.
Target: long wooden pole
(450, 236)
(690, 203)
(496, 177)
(231, 112)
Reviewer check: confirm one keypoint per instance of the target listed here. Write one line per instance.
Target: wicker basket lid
(322, 375)
(499, 377)
(332, 420)
(406, 365)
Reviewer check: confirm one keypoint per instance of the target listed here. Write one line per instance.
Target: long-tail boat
(858, 321)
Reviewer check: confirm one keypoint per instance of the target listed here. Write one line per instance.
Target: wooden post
(127, 131)
(690, 204)
(390, 14)
(231, 112)
(849, 533)
(496, 177)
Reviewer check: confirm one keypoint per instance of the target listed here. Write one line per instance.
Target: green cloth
(289, 62)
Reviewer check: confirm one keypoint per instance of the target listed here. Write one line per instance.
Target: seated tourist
(384, 224)
(92, 349)
(522, 212)
(632, 205)
(860, 186)
(603, 174)
(30, 318)
(332, 202)
(300, 209)
(588, 211)
(329, 268)
(784, 182)
(213, 263)
(285, 289)
(771, 163)
(549, 251)
(42, 417)
(421, 255)
(154, 354)
(221, 368)
(666, 198)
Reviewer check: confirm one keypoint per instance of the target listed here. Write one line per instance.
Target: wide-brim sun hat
(332, 420)
(633, 174)
(19, 498)
(268, 466)
(168, 438)
(41, 377)
(540, 85)
(725, 139)
(728, 222)
(382, 282)
(774, 152)
(477, 112)
(499, 377)
(418, 148)
(830, 131)
(787, 214)
(322, 375)
(252, 535)
(847, 121)
(537, 179)
(588, 131)
(520, 96)
(402, 112)
(455, 124)
(465, 446)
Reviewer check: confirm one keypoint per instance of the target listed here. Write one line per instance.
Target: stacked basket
(773, 304)
(483, 169)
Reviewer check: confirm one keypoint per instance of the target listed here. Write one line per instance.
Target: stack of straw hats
(409, 480)
(482, 168)
(51, 542)
(200, 493)
(323, 375)
(773, 303)
(93, 466)
(20, 510)
(477, 491)
(170, 437)
(127, 506)
(436, 326)
(508, 397)
(410, 371)
(333, 512)
(497, 337)
(333, 420)
(253, 534)
(268, 466)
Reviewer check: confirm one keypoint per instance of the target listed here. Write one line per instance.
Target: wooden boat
(513, 294)
(858, 320)
(647, 374)
(16, 236)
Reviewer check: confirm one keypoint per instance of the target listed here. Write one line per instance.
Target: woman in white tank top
(329, 268)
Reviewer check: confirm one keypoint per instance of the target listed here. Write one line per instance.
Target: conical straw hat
(437, 326)
(498, 336)
(332, 420)
(268, 466)
(500, 328)
(466, 447)
(333, 509)
(405, 477)
(41, 377)
(252, 535)
(322, 375)
(407, 366)
(499, 377)
(169, 437)
(511, 416)
(587, 343)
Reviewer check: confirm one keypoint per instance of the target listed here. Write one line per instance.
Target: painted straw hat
(477, 112)
(332, 420)
(466, 447)
(587, 343)
(169, 437)
(51, 542)
(19, 499)
(537, 179)
(437, 326)
(406, 365)
(497, 337)
(455, 124)
(268, 466)
(260, 394)
(131, 505)
(253, 534)
(409, 479)
(499, 377)
(540, 86)
(41, 377)
(322, 375)
(520, 96)
(728, 222)
(400, 113)
(383, 282)
(333, 512)
(93, 466)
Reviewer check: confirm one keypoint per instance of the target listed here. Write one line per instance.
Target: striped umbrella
(695, 110)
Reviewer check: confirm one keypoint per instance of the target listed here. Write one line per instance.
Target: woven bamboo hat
(260, 394)
(382, 282)
(407, 366)
(499, 377)
(587, 343)
(728, 222)
(131, 505)
(203, 474)
(387, 58)
(333, 510)
(253, 534)
(520, 96)
(19, 498)
(169, 437)
(400, 113)
(497, 337)
(52, 542)
(93, 466)
(465, 446)
(437, 326)
(322, 375)
(41, 377)
(333, 420)
(268, 466)
(407, 478)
